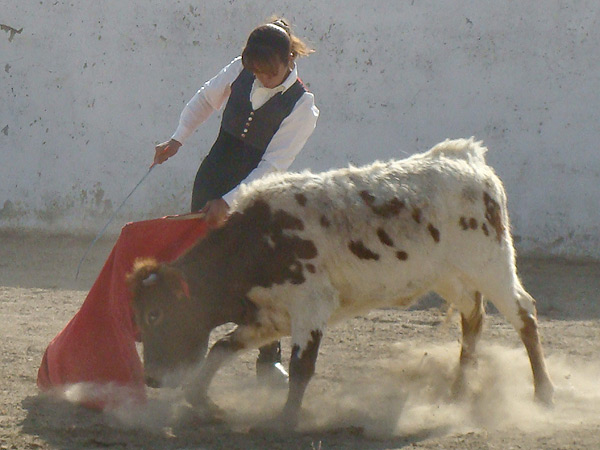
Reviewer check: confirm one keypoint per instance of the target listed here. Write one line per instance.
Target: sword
(111, 219)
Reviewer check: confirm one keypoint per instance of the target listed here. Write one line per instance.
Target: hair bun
(281, 23)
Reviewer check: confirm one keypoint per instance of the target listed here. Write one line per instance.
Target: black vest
(244, 136)
(256, 128)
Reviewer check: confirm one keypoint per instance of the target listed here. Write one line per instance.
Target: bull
(303, 250)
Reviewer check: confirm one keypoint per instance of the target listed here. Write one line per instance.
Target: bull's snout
(152, 382)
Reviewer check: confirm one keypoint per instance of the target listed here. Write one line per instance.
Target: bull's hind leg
(515, 303)
(471, 324)
(472, 314)
(544, 390)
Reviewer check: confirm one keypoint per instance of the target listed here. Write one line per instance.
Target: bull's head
(173, 336)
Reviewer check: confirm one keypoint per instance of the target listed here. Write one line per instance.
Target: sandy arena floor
(382, 381)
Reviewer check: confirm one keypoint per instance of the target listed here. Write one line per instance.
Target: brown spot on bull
(286, 221)
(369, 199)
(257, 247)
(384, 237)
(301, 199)
(470, 194)
(303, 249)
(493, 215)
(325, 223)
(310, 350)
(468, 224)
(417, 215)
(391, 208)
(311, 268)
(434, 232)
(485, 230)
(362, 252)
(388, 209)
(402, 256)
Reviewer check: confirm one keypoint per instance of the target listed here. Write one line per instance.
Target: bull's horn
(149, 279)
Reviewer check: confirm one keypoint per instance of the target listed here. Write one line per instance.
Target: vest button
(243, 135)
(250, 119)
(245, 130)
(251, 113)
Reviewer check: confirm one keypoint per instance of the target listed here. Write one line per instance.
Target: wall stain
(98, 194)
(10, 211)
(10, 30)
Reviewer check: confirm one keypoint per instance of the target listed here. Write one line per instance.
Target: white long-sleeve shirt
(287, 142)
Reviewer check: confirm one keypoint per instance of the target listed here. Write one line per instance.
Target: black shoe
(269, 370)
(272, 375)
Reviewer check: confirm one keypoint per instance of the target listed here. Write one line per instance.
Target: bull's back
(388, 231)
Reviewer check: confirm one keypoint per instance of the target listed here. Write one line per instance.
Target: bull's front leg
(196, 392)
(302, 368)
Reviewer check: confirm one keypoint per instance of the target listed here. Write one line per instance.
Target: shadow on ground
(67, 426)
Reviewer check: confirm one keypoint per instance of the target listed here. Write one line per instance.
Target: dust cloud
(405, 394)
(411, 394)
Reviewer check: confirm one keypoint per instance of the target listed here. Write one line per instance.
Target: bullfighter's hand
(217, 213)
(165, 150)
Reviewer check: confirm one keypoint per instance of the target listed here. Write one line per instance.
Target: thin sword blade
(114, 214)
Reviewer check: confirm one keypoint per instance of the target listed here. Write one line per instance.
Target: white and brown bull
(303, 250)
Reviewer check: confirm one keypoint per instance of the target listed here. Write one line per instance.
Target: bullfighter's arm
(208, 99)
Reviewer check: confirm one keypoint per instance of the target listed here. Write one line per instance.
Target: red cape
(98, 344)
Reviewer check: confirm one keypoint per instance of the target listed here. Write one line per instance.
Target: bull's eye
(153, 317)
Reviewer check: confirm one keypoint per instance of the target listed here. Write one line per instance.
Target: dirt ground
(382, 381)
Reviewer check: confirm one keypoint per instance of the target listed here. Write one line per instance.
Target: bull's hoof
(206, 411)
(465, 376)
(284, 422)
(458, 390)
(544, 395)
(272, 375)
(209, 417)
(201, 416)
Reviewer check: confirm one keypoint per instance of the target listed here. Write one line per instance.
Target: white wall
(87, 88)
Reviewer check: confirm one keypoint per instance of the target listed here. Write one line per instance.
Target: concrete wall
(87, 88)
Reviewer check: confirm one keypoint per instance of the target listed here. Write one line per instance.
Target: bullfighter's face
(172, 334)
(273, 78)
